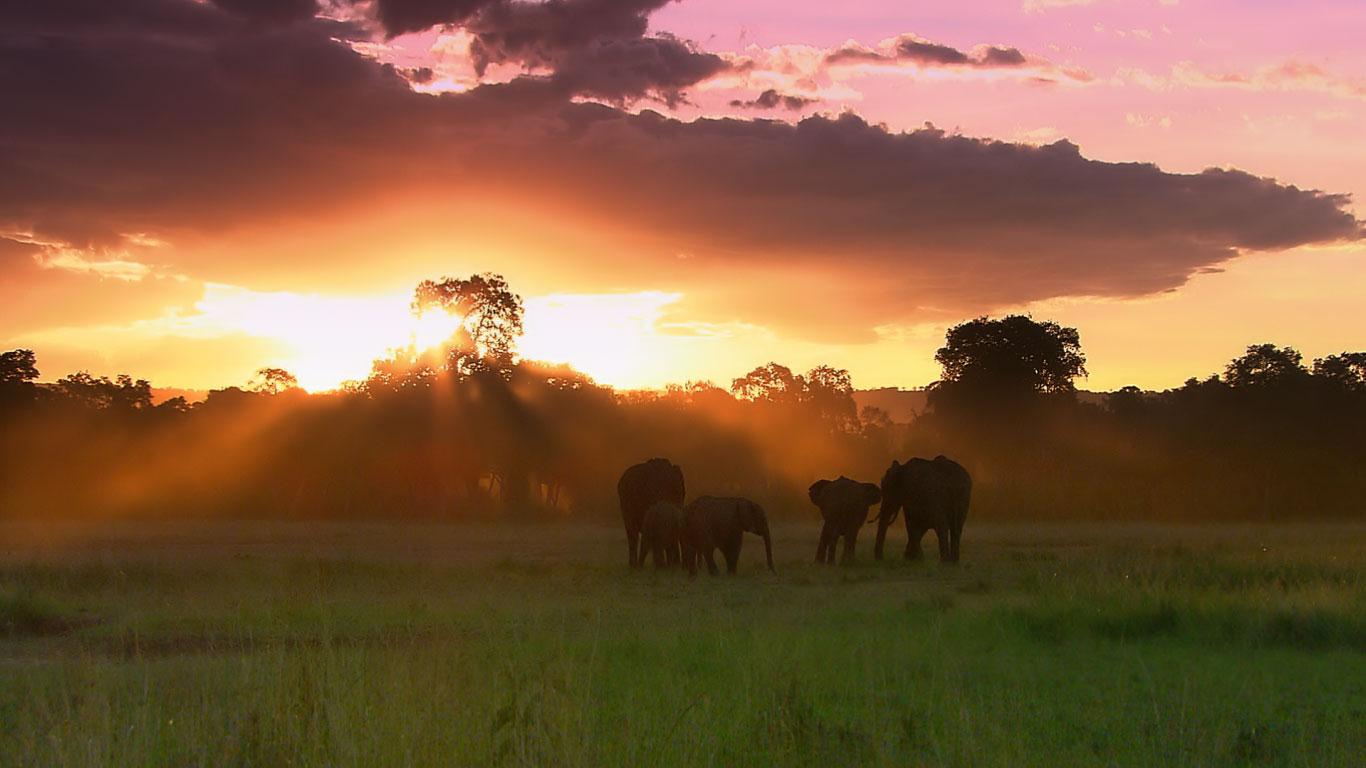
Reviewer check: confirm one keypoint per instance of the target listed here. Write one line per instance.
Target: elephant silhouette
(715, 522)
(935, 495)
(661, 534)
(642, 486)
(844, 505)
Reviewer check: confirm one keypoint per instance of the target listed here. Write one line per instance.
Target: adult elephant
(844, 507)
(716, 522)
(642, 486)
(661, 533)
(935, 494)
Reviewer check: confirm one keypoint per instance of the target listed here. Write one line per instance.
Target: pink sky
(1271, 88)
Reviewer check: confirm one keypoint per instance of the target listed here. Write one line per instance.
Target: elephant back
(646, 483)
(955, 475)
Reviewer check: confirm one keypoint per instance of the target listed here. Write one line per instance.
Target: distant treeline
(469, 431)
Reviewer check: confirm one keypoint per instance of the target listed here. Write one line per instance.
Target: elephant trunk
(882, 523)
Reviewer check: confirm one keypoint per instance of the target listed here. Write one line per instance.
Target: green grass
(352, 644)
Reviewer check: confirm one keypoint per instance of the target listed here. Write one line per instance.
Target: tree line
(468, 429)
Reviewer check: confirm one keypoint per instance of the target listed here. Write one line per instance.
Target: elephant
(935, 494)
(640, 487)
(662, 530)
(715, 522)
(844, 506)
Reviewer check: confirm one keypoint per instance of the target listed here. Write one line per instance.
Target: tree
(273, 381)
(490, 320)
(18, 367)
(702, 394)
(772, 383)
(1006, 360)
(873, 417)
(405, 368)
(1346, 370)
(122, 393)
(1266, 365)
(830, 391)
(1128, 402)
(18, 371)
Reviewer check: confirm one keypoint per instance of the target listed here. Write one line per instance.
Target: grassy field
(421, 644)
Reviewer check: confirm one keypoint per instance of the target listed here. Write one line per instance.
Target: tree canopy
(1013, 354)
(1266, 365)
(18, 366)
(491, 316)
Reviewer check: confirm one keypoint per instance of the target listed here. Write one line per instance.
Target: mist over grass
(428, 644)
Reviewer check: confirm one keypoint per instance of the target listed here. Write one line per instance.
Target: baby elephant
(844, 506)
(661, 532)
(714, 522)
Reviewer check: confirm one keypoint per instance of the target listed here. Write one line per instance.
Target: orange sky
(236, 213)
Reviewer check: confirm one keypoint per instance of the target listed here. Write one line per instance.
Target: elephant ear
(871, 493)
(816, 490)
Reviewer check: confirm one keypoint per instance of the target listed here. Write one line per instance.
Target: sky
(192, 190)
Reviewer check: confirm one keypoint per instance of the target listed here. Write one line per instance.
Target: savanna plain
(327, 644)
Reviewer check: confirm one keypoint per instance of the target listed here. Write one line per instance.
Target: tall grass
(533, 646)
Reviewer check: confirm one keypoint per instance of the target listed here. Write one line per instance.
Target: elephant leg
(849, 538)
(732, 555)
(821, 545)
(690, 559)
(913, 538)
(674, 553)
(945, 546)
(955, 540)
(632, 546)
(657, 551)
(711, 562)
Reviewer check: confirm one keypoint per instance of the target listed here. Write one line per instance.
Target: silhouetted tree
(701, 394)
(490, 320)
(1266, 365)
(18, 366)
(830, 392)
(1346, 370)
(771, 383)
(273, 381)
(122, 393)
(1127, 403)
(1013, 354)
(873, 417)
(994, 371)
(18, 371)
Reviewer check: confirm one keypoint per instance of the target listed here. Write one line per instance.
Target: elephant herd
(933, 494)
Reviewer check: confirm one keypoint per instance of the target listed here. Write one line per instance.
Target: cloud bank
(178, 120)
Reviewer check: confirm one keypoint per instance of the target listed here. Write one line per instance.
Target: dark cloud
(273, 11)
(399, 16)
(595, 48)
(924, 53)
(183, 122)
(997, 56)
(623, 69)
(540, 33)
(420, 75)
(771, 99)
